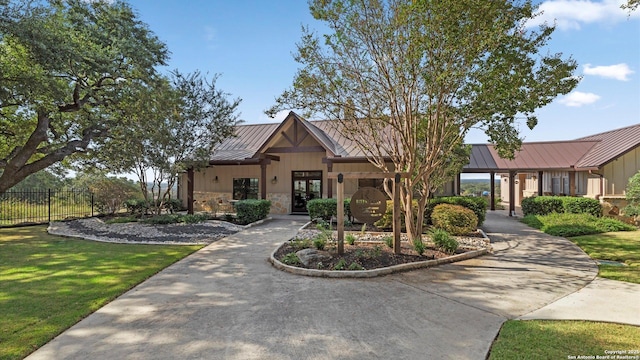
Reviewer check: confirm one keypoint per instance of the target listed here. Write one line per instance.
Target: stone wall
(212, 202)
(280, 202)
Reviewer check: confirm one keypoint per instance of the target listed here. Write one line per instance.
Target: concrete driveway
(227, 302)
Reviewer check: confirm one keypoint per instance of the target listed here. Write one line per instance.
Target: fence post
(49, 204)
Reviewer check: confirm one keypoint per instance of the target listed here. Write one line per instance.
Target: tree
(174, 125)
(109, 193)
(63, 64)
(631, 5)
(407, 79)
(632, 195)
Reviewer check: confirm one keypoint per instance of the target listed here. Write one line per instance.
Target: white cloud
(577, 99)
(619, 71)
(571, 14)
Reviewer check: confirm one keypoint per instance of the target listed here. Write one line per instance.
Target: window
(245, 188)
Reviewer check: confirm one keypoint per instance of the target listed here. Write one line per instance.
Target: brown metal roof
(248, 139)
(612, 144)
(552, 155)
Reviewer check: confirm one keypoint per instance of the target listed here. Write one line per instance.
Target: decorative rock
(309, 256)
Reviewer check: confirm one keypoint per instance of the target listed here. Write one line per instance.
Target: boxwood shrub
(326, 208)
(251, 210)
(454, 219)
(543, 205)
(476, 204)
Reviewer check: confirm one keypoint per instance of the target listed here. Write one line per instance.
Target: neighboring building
(597, 166)
(288, 164)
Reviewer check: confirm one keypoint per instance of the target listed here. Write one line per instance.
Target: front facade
(288, 163)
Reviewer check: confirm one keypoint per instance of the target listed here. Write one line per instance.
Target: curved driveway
(227, 302)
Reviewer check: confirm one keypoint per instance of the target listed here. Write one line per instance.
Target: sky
(250, 44)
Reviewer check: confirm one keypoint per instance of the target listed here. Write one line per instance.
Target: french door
(306, 185)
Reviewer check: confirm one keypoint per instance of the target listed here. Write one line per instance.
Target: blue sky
(250, 44)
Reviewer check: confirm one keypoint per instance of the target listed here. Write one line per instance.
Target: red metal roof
(612, 144)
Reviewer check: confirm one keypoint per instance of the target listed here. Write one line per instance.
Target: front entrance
(306, 185)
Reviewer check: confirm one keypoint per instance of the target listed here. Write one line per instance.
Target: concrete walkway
(227, 302)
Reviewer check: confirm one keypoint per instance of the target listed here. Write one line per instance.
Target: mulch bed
(367, 255)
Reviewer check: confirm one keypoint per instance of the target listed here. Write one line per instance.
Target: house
(597, 166)
(288, 163)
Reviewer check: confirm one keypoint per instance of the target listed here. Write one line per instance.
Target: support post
(572, 183)
(340, 200)
(540, 183)
(396, 214)
(263, 181)
(457, 184)
(512, 193)
(190, 191)
(492, 201)
(329, 180)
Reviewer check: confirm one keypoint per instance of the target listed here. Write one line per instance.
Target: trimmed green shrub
(542, 205)
(319, 242)
(455, 219)
(581, 205)
(444, 241)
(568, 225)
(291, 259)
(173, 205)
(193, 218)
(476, 204)
(326, 208)
(252, 210)
(418, 246)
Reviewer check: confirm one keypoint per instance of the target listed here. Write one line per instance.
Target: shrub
(193, 218)
(476, 204)
(121, 220)
(252, 210)
(291, 259)
(418, 246)
(319, 242)
(137, 206)
(454, 219)
(162, 219)
(568, 225)
(327, 208)
(386, 222)
(355, 266)
(350, 238)
(173, 205)
(444, 241)
(341, 265)
(388, 240)
(581, 205)
(542, 205)
(300, 244)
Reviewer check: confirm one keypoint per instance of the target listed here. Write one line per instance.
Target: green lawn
(48, 283)
(541, 339)
(622, 247)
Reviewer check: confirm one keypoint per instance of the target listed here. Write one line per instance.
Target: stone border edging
(360, 274)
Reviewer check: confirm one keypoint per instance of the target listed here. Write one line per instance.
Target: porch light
(534, 178)
(274, 180)
(215, 179)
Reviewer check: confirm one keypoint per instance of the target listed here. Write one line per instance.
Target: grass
(622, 247)
(48, 283)
(568, 225)
(540, 339)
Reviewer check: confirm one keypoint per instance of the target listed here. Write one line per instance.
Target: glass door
(307, 185)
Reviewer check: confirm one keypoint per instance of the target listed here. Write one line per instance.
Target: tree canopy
(63, 65)
(407, 79)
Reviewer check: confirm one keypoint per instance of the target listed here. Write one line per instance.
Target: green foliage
(581, 205)
(84, 276)
(455, 219)
(137, 206)
(623, 247)
(340, 265)
(325, 209)
(251, 210)
(291, 259)
(319, 242)
(386, 222)
(110, 193)
(376, 251)
(70, 65)
(193, 218)
(542, 205)
(418, 246)
(175, 219)
(444, 241)
(355, 266)
(568, 225)
(350, 239)
(476, 204)
(299, 244)
(388, 240)
(632, 195)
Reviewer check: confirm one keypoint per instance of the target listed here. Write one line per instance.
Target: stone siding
(280, 202)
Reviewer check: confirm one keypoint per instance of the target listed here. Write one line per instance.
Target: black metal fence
(44, 205)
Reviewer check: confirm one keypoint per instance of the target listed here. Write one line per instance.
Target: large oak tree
(63, 65)
(407, 79)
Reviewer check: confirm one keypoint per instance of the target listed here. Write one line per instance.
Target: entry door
(307, 185)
